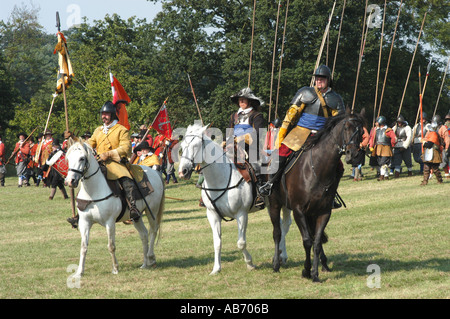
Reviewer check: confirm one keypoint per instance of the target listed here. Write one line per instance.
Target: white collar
(246, 111)
(106, 128)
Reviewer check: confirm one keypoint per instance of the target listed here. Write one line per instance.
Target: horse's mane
(330, 124)
(85, 147)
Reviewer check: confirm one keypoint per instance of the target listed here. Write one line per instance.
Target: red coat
(22, 151)
(2, 153)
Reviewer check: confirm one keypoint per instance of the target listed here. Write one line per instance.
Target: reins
(223, 190)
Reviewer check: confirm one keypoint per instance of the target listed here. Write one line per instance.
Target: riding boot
(259, 200)
(52, 193)
(266, 189)
(128, 186)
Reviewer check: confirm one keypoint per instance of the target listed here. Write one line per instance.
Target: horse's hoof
(326, 269)
(115, 271)
(306, 274)
(251, 267)
(214, 273)
(316, 279)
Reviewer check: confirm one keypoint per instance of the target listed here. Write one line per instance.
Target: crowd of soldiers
(392, 146)
(41, 161)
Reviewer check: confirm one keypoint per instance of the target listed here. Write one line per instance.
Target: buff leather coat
(117, 140)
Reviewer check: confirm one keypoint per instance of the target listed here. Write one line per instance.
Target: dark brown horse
(309, 188)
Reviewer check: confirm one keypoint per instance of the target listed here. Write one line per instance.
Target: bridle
(85, 168)
(351, 141)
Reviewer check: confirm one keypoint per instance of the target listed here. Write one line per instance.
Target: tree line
(210, 41)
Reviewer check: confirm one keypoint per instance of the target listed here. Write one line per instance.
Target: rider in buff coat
(112, 143)
(309, 110)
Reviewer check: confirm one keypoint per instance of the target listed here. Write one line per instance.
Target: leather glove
(113, 155)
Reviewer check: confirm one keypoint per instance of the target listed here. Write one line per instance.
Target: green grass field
(396, 225)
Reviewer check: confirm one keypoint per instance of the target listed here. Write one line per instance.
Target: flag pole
(66, 114)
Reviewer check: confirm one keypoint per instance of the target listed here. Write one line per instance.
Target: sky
(72, 11)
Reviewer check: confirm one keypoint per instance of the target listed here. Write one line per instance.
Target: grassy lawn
(396, 225)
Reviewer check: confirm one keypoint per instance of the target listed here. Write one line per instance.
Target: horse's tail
(160, 211)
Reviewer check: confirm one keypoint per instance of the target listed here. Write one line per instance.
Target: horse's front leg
(274, 212)
(216, 227)
(143, 234)
(84, 227)
(300, 220)
(111, 231)
(242, 222)
(321, 223)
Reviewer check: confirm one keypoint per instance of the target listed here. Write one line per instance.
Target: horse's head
(191, 148)
(352, 134)
(78, 161)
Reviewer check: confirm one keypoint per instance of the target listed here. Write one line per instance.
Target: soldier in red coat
(22, 150)
(2, 163)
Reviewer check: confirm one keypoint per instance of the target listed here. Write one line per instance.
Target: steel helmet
(381, 120)
(437, 119)
(324, 71)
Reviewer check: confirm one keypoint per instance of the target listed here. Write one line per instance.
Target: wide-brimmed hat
(22, 133)
(248, 94)
(48, 132)
(144, 146)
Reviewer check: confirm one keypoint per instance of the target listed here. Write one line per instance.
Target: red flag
(162, 122)
(120, 99)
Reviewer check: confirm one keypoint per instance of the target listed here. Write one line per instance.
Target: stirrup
(266, 189)
(135, 214)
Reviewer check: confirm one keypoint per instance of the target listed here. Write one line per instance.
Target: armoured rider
(309, 110)
(113, 144)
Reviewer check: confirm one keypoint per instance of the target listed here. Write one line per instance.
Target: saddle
(142, 181)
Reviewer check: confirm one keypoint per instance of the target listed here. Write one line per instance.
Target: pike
(251, 44)
(338, 37)
(281, 58)
(379, 63)
(273, 58)
(38, 152)
(412, 60)
(442, 84)
(389, 59)
(421, 94)
(195, 98)
(361, 53)
(327, 29)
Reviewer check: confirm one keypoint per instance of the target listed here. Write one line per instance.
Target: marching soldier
(381, 146)
(113, 145)
(417, 139)
(309, 110)
(54, 178)
(402, 150)
(432, 148)
(445, 138)
(2, 162)
(23, 150)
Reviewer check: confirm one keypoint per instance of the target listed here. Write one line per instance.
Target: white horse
(105, 208)
(224, 192)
